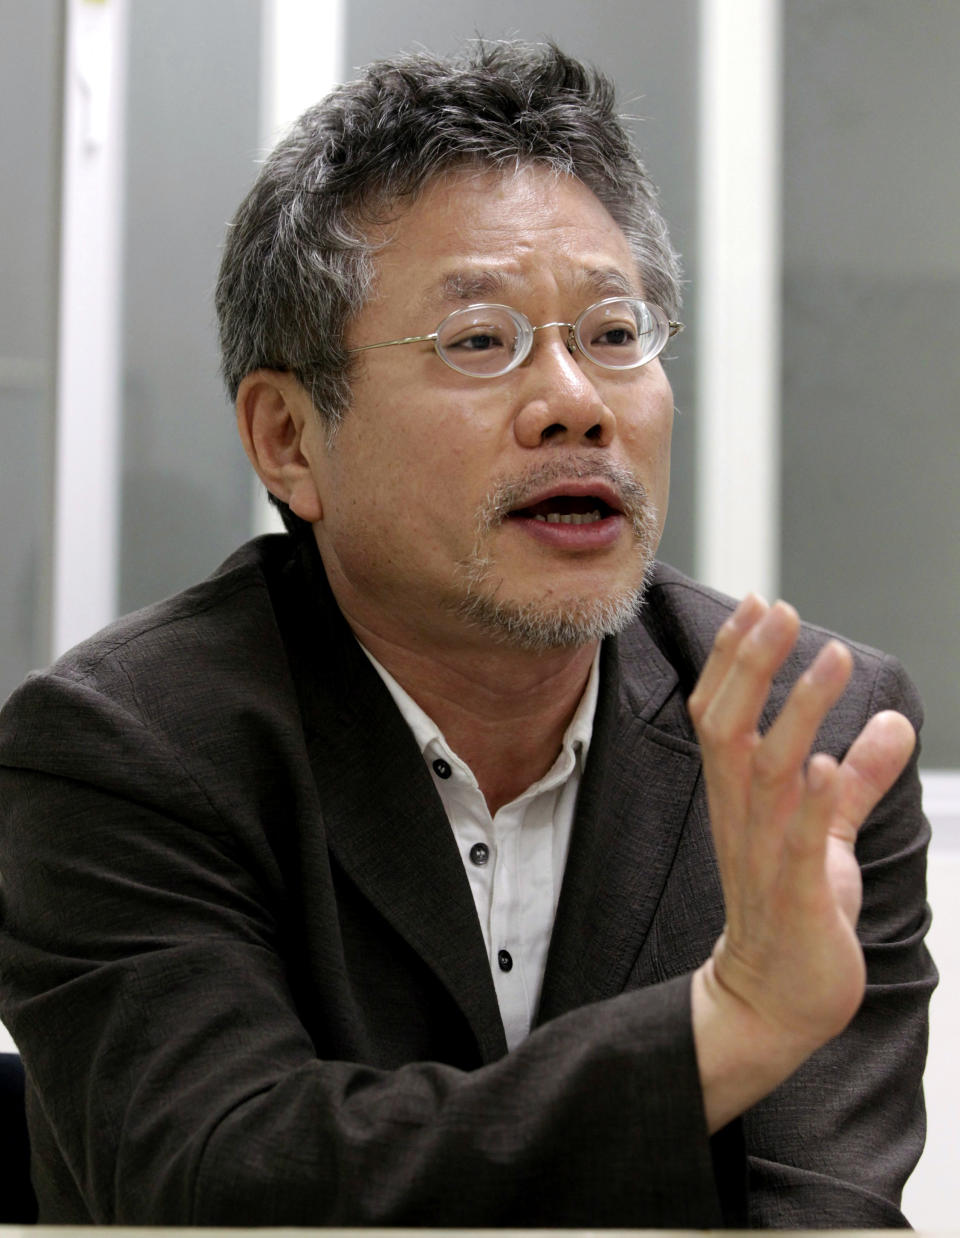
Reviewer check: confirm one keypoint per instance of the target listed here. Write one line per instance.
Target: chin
(538, 626)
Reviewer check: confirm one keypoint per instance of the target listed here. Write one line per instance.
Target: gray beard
(568, 623)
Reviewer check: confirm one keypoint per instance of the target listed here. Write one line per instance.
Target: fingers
(740, 697)
(874, 762)
(733, 687)
(787, 744)
(725, 645)
(807, 842)
(766, 778)
(726, 708)
(724, 650)
(810, 826)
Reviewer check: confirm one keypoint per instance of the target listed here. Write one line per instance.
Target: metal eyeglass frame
(526, 332)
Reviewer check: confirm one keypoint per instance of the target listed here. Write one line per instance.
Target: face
(523, 508)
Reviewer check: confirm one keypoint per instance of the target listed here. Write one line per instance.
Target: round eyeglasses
(486, 341)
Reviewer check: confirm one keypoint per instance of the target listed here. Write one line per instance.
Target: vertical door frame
(87, 451)
(738, 350)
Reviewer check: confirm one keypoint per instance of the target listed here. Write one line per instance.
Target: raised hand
(787, 974)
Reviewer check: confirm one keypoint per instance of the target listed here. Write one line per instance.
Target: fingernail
(774, 624)
(827, 664)
(747, 613)
(819, 770)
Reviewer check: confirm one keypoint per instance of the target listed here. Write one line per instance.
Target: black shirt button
(442, 768)
(479, 854)
(505, 960)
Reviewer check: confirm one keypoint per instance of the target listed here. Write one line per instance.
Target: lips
(571, 514)
(570, 502)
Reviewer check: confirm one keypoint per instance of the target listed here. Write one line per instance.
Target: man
(409, 870)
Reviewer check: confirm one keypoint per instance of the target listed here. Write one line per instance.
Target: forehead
(492, 236)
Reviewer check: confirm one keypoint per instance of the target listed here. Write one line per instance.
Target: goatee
(558, 623)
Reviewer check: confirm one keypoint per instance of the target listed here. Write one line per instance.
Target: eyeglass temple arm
(410, 339)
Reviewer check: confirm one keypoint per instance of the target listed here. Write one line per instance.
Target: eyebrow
(609, 282)
(469, 286)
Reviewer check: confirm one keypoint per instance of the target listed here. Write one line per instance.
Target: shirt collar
(431, 742)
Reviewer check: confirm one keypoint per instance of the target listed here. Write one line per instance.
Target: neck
(503, 711)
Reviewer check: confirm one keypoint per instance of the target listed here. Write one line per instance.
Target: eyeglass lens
(488, 340)
(484, 339)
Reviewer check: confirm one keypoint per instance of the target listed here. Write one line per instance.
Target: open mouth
(567, 509)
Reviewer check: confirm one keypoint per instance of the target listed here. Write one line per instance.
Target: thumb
(874, 762)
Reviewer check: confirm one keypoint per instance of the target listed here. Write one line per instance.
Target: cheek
(660, 481)
(664, 435)
(647, 428)
(414, 471)
(451, 450)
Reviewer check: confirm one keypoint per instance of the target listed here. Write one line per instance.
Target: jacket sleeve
(143, 976)
(833, 1146)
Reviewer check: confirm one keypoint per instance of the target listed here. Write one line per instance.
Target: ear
(279, 430)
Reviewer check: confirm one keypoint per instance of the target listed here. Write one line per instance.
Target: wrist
(741, 1055)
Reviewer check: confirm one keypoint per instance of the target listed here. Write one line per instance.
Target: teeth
(569, 517)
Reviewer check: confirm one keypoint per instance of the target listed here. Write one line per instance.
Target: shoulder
(169, 675)
(682, 617)
(207, 622)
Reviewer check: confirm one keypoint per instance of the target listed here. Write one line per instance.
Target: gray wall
(871, 335)
(192, 141)
(30, 72)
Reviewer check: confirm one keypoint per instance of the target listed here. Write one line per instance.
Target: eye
(622, 334)
(480, 339)
(617, 335)
(476, 341)
(477, 329)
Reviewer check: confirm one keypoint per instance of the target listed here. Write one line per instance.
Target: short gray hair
(297, 267)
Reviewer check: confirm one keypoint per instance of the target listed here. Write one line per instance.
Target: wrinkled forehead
(468, 286)
(484, 234)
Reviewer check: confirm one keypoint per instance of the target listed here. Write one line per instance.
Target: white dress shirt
(514, 861)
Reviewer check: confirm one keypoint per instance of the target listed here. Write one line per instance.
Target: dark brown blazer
(241, 959)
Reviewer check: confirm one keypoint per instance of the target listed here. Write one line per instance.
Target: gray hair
(297, 267)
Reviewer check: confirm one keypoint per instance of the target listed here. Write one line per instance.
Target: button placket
(506, 930)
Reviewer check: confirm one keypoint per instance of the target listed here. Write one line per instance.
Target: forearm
(592, 1121)
(573, 1128)
(181, 1080)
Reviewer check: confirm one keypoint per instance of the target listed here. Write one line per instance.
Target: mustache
(508, 494)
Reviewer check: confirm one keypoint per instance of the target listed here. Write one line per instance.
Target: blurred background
(808, 155)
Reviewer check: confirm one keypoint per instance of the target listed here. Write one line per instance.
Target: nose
(559, 403)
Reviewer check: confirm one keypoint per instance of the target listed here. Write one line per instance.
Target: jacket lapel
(636, 794)
(384, 822)
(386, 827)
